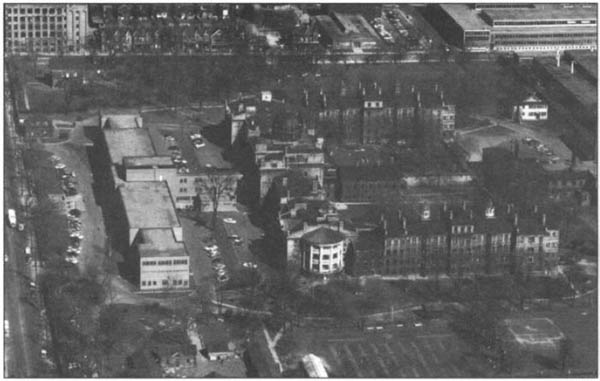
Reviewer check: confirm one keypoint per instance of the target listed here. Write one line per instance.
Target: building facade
(46, 28)
(535, 28)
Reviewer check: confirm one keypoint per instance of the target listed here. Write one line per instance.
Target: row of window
(532, 37)
(165, 262)
(31, 11)
(325, 267)
(165, 282)
(544, 22)
(37, 20)
(324, 257)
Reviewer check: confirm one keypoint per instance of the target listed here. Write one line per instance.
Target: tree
(215, 184)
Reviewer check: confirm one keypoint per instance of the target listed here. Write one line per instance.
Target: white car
(6, 329)
(229, 220)
(250, 265)
(72, 260)
(5, 258)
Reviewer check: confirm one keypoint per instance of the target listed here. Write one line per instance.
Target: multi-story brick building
(45, 28)
(536, 242)
(456, 241)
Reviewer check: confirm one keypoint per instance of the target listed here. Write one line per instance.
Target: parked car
(223, 278)
(229, 220)
(6, 329)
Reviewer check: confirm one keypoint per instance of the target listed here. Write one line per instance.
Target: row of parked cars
(68, 182)
(542, 149)
(217, 263)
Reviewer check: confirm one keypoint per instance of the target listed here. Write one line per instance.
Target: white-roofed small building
(533, 109)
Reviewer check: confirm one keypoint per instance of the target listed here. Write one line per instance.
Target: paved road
(19, 360)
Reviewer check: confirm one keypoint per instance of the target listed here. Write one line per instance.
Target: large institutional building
(419, 240)
(517, 27)
(45, 28)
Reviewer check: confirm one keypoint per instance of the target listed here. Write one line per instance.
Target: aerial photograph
(300, 190)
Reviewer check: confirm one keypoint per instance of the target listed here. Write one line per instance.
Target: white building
(532, 109)
(163, 262)
(323, 251)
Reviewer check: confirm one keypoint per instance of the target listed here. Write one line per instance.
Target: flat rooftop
(128, 142)
(355, 27)
(138, 196)
(148, 161)
(160, 243)
(467, 18)
(588, 62)
(582, 89)
(544, 12)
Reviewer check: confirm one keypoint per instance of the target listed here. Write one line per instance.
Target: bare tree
(215, 184)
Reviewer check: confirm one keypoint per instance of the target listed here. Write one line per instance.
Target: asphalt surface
(21, 343)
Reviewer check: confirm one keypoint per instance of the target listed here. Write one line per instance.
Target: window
(165, 282)
(154, 283)
(325, 267)
(183, 190)
(530, 259)
(185, 282)
(315, 267)
(143, 283)
(183, 180)
(315, 256)
(531, 239)
(325, 257)
(180, 262)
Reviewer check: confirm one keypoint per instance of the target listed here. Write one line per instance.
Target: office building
(521, 29)
(45, 28)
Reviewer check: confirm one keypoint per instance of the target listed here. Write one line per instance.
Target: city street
(22, 342)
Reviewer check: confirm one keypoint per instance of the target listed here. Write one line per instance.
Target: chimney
(284, 181)
(516, 219)
(340, 225)
(558, 58)
(404, 225)
(544, 219)
(535, 208)
(315, 184)
(385, 226)
(451, 215)
(380, 91)
(305, 97)
(437, 87)
(305, 226)
(419, 96)
(412, 89)
(573, 67)
(471, 214)
(363, 91)
(464, 205)
(343, 89)
(445, 206)
(442, 96)
(324, 100)
(399, 214)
